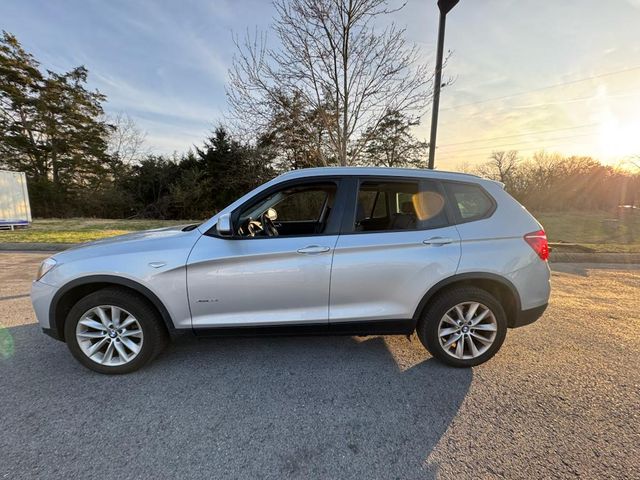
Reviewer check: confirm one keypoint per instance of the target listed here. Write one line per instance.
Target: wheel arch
(500, 287)
(68, 295)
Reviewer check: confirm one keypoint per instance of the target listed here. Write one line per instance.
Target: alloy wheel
(109, 335)
(467, 330)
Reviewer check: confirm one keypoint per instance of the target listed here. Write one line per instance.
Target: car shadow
(269, 407)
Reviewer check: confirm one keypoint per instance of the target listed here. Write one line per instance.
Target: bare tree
(126, 142)
(465, 167)
(501, 166)
(330, 54)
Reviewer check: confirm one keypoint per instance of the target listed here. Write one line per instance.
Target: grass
(570, 231)
(76, 230)
(597, 231)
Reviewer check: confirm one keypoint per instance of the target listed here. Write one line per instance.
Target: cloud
(122, 94)
(171, 122)
(169, 142)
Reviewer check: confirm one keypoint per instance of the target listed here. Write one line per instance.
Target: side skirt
(373, 327)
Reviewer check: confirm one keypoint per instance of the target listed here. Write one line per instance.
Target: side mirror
(224, 227)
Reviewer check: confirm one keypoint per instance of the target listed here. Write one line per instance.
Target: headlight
(46, 266)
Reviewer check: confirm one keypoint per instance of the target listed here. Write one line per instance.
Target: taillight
(538, 241)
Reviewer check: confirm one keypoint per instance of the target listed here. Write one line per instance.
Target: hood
(164, 232)
(156, 239)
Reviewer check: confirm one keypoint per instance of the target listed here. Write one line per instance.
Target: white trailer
(15, 210)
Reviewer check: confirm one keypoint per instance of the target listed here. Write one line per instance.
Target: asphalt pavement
(561, 399)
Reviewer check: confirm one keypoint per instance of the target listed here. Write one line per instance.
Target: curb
(566, 257)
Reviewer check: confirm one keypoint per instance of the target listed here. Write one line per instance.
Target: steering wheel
(253, 228)
(268, 227)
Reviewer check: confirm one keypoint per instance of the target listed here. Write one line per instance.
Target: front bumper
(41, 297)
(525, 317)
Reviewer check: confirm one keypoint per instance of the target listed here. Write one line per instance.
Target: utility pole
(445, 7)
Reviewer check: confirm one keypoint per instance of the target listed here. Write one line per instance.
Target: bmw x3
(347, 251)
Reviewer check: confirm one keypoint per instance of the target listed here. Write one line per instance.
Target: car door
(390, 254)
(263, 280)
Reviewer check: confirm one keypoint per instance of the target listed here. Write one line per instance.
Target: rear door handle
(438, 241)
(313, 249)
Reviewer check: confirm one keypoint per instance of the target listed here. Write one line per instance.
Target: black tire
(427, 329)
(154, 331)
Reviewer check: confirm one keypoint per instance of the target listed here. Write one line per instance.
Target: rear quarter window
(470, 202)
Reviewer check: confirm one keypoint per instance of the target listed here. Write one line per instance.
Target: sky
(563, 76)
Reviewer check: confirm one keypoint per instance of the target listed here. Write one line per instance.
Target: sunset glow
(553, 76)
(619, 137)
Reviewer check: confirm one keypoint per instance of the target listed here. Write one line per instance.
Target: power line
(570, 82)
(579, 99)
(493, 147)
(519, 135)
(479, 148)
(454, 156)
(544, 104)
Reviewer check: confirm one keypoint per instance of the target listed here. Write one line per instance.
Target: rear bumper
(525, 317)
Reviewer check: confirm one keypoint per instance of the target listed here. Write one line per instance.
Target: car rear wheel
(463, 327)
(114, 331)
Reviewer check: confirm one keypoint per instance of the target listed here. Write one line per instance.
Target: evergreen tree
(295, 135)
(51, 127)
(392, 144)
(231, 168)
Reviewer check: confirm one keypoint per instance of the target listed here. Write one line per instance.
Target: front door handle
(313, 249)
(437, 241)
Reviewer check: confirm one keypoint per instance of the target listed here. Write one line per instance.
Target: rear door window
(399, 205)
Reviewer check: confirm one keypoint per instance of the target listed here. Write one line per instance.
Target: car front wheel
(463, 327)
(114, 331)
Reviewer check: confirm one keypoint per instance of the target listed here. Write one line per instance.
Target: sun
(619, 138)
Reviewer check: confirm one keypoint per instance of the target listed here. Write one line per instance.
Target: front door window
(296, 210)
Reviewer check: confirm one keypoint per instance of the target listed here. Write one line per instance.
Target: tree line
(553, 182)
(326, 87)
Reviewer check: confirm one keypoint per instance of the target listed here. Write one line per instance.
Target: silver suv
(346, 251)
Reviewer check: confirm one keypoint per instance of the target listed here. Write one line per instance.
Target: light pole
(445, 6)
